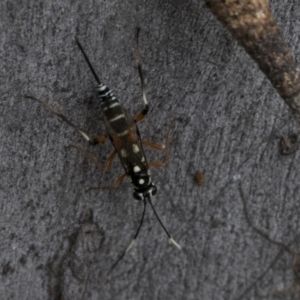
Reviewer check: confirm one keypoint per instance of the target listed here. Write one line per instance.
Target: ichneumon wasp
(122, 131)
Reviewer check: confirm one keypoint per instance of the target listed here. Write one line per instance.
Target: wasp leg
(141, 115)
(116, 185)
(92, 158)
(98, 140)
(154, 146)
(92, 141)
(144, 112)
(158, 164)
(159, 148)
(167, 137)
(110, 160)
(87, 154)
(166, 148)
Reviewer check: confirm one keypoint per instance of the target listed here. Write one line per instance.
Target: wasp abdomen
(113, 111)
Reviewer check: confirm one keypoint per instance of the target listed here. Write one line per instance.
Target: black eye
(153, 190)
(137, 196)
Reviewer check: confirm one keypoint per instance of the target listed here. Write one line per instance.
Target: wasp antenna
(171, 240)
(141, 222)
(88, 61)
(130, 246)
(132, 242)
(137, 232)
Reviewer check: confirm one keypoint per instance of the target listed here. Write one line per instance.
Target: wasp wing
(125, 137)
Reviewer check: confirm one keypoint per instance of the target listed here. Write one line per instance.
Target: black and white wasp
(122, 131)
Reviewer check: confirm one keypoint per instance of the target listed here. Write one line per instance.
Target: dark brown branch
(253, 25)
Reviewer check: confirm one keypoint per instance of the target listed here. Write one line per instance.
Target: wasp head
(143, 186)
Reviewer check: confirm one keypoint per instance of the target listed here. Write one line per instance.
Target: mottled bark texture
(58, 240)
(253, 25)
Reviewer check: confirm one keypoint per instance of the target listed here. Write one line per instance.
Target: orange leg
(87, 154)
(166, 149)
(167, 135)
(116, 185)
(159, 147)
(110, 160)
(142, 114)
(92, 158)
(98, 140)
(154, 145)
(105, 168)
(158, 164)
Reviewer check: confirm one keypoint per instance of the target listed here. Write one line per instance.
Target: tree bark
(252, 24)
(58, 239)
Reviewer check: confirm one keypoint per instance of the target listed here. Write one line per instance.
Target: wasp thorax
(141, 194)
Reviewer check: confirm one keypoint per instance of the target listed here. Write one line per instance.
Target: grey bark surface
(59, 240)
